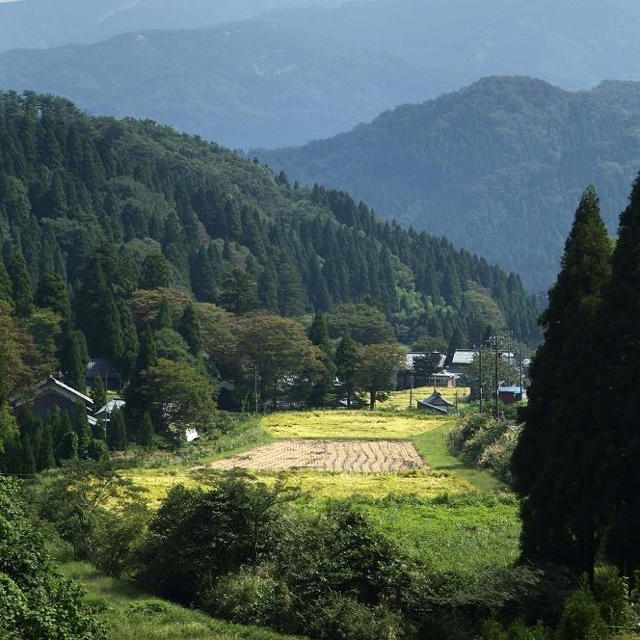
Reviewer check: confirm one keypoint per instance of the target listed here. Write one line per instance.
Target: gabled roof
(516, 390)
(63, 389)
(464, 356)
(413, 355)
(112, 405)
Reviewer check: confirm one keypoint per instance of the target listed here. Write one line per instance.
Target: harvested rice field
(336, 424)
(363, 456)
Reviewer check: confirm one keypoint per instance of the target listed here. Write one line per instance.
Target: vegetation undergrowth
(131, 614)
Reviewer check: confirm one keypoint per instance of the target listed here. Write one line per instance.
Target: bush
(581, 618)
(612, 595)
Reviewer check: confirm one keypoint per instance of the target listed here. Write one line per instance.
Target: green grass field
(133, 615)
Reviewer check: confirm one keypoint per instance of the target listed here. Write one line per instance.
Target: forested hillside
(496, 167)
(74, 187)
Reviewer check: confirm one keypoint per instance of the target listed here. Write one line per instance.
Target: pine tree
(189, 328)
(46, 458)
(82, 430)
(347, 365)
(557, 458)
(117, 431)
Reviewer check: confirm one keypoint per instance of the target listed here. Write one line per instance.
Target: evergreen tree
(347, 365)
(155, 272)
(74, 359)
(557, 458)
(82, 430)
(239, 292)
(52, 294)
(117, 431)
(619, 444)
(319, 336)
(6, 287)
(164, 319)
(98, 393)
(189, 328)
(21, 284)
(146, 431)
(46, 458)
(68, 447)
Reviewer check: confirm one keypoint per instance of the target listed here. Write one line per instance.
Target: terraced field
(363, 456)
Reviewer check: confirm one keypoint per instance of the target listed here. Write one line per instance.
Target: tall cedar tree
(189, 328)
(319, 336)
(347, 364)
(556, 460)
(73, 359)
(116, 431)
(52, 294)
(21, 281)
(620, 429)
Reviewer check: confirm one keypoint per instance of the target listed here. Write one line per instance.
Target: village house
(52, 394)
(510, 395)
(435, 403)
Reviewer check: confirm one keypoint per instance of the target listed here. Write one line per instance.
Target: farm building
(52, 394)
(509, 395)
(436, 404)
(408, 377)
(444, 379)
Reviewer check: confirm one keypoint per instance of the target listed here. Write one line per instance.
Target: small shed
(509, 395)
(436, 404)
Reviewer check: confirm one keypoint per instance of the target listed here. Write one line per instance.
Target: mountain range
(497, 168)
(299, 74)
(36, 24)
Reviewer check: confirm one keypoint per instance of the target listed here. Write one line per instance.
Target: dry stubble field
(364, 456)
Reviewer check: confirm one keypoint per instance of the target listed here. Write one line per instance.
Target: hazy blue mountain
(46, 23)
(253, 83)
(571, 43)
(497, 168)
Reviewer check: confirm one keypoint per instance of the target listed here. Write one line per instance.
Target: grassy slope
(133, 615)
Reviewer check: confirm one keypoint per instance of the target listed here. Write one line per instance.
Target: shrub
(581, 618)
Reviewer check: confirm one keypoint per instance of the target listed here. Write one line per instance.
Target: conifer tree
(155, 272)
(319, 336)
(82, 429)
(557, 458)
(189, 328)
(6, 288)
(68, 447)
(146, 431)
(164, 320)
(117, 432)
(74, 359)
(98, 393)
(620, 433)
(52, 293)
(347, 365)
(21, 284)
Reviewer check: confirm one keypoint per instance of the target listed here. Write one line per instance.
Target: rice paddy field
(450, 515)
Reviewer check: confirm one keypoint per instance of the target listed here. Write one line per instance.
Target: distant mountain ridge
(252, 83)
(497, 167)
(328, 67)
(42, 23)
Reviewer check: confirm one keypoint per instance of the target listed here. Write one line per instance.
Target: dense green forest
(495, 168)
(70, 184)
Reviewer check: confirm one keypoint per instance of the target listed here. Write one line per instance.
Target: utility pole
(480, 359)
(497, 383)
(255, 388)
(411, 395)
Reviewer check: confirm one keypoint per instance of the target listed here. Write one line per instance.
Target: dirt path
(328, 455)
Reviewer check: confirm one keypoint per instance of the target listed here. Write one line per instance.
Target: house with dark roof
(436, 404)
(52, 394)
